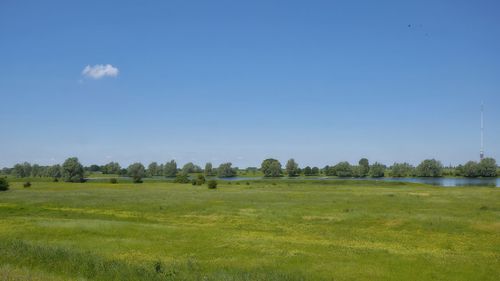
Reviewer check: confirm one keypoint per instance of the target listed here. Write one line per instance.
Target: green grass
(267, 230)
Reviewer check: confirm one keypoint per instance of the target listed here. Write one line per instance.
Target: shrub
(182, 178)
(27, 184)
(212, 184)
(200, 180)
(4, 184)
(113, 180)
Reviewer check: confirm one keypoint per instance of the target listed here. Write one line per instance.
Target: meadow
(256, 230)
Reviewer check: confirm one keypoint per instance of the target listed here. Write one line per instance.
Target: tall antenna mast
(481, 153)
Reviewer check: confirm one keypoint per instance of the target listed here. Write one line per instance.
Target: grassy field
(262, 230)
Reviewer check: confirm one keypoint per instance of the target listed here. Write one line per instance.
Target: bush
(200, 180)
(113, 180)
(182, 178)
(4, 184)
(27, 184)
(212, 184)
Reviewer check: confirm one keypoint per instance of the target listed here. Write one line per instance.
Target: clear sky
(240, 81)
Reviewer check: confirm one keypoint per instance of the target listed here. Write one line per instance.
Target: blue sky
(240, 81)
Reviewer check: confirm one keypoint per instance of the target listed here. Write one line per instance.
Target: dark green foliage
(400, 170)
(470, 169)
(182, 178)
(328, 171)
(200, 179)
(315, 171)
(209, 170)
(271, 168)
(72, 170)
(308, 171)
(113, 180)
(430, 168)
(292, 168)
(54, 172)
(189, 168)
(488, 167)
(170, 169)
(212, 184)
(226, 171)
(94, 168)
(153, 170)
(27, 184)
(22, 170)
(458, 171)
(357, 171)
(111, 168)
(4, 184)
(136, 171)
(364, 167)
(377, 170)
(342, 169)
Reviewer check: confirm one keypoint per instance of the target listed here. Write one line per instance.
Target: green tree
(329, 171)
(471, 170)
(377, 170)
(271, 168)
(314, 171)
(292, 168)
(153, 169)
(94, 168)
(36, 170)
(226, 171)
(364, 165)
(488, 167)
(307, 171)
(170, 169)
(136, 171)
(342, 169)
(401, 170)
(54, 172)
(22, 170)
(4, 184)
(356, 171)
(208, 170)
(112, 168)
(430, 168)
(72, 170)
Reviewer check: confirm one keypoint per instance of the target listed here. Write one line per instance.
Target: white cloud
(99, 71)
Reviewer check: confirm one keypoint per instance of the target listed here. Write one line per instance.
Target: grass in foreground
(262, 231)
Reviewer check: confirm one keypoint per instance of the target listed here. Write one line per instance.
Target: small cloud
(99, 71)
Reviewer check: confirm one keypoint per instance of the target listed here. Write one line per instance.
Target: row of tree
(73, 171)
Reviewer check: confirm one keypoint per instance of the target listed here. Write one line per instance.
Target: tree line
(73, 171)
